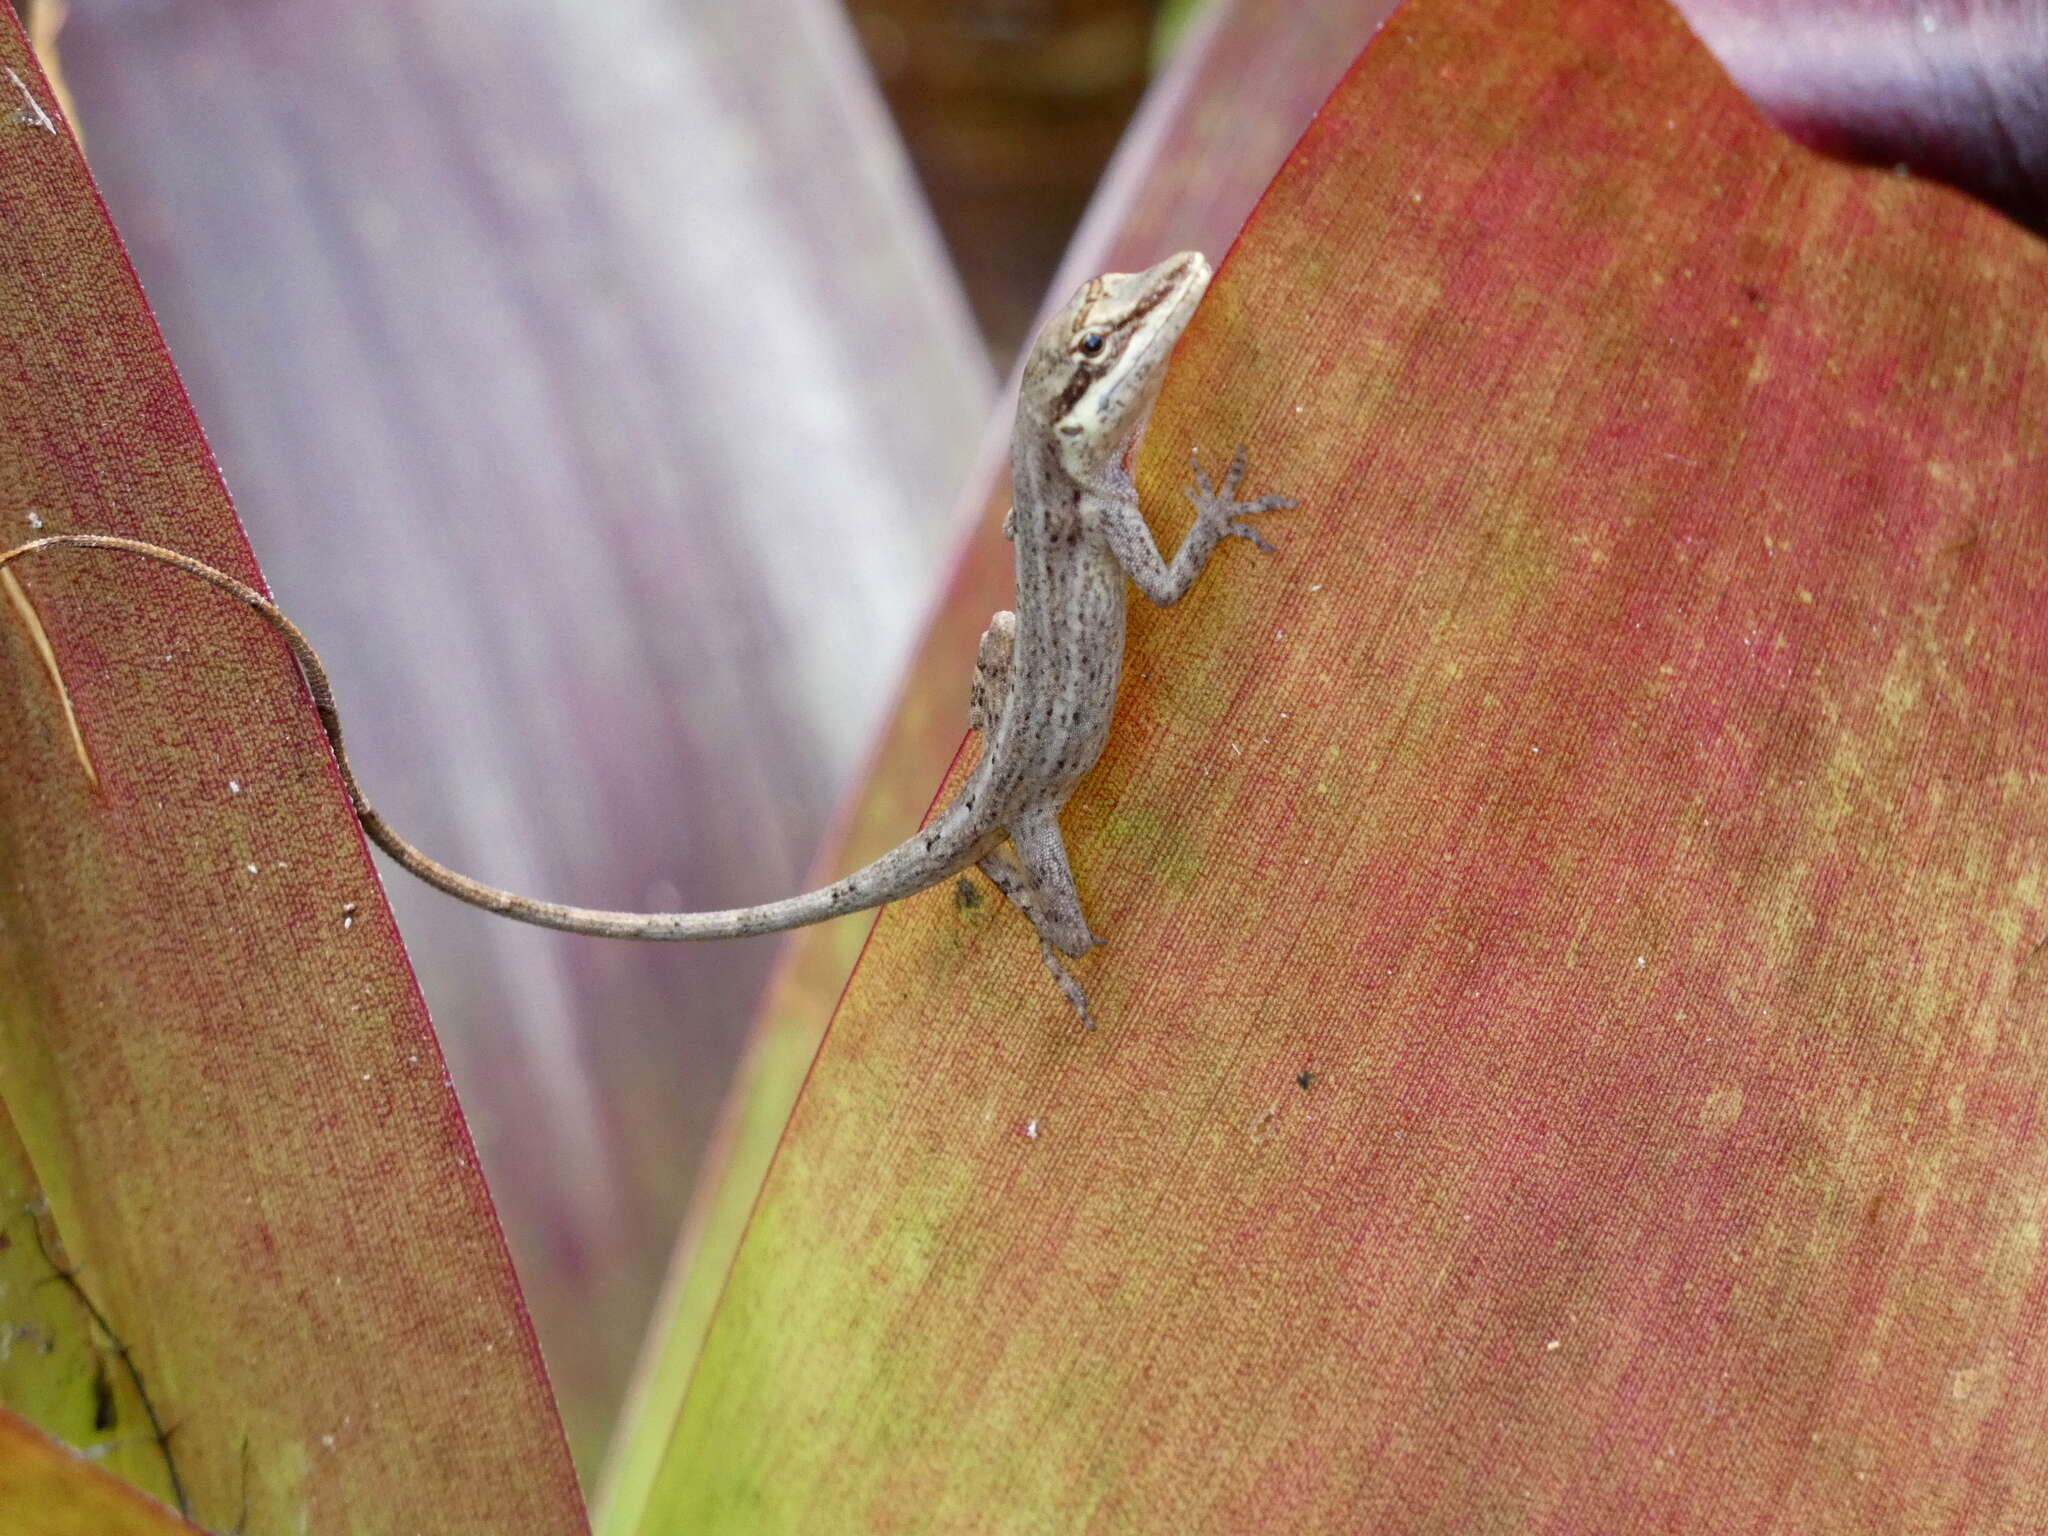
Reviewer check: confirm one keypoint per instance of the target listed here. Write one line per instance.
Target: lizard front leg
(1217, 514)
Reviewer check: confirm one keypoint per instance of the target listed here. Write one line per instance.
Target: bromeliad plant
(1578, 921)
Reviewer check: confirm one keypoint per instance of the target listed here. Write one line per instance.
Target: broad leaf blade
(210, 1044)
(1574, 913)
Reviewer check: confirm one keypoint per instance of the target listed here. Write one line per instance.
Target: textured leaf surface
(214, 1058)
(596, 395)
(1209, 138)
(46, 1490)
(1571, 1053)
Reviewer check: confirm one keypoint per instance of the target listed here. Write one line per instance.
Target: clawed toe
(1069, 987)
(1233, 477)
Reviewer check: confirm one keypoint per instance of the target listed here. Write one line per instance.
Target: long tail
(895, 874)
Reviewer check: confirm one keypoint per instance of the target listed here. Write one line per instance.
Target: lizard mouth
(1162, 299)
(1171, 291)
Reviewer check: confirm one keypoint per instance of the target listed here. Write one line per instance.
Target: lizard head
(1096, 367)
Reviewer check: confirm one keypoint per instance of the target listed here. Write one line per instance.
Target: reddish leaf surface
(1209, 138)
(211, 1049)
(46, 1490)
(589, 378)
(1575, 914)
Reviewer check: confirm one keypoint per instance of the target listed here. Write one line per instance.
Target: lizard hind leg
(1018, 890)
(1056, 913)
(991, 692)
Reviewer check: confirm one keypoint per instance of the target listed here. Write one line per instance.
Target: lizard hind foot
(1069, 987)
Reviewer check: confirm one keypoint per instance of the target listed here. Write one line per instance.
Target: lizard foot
(1067, 985)
(1220, 509)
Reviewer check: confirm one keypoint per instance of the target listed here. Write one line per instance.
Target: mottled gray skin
(1045, 680)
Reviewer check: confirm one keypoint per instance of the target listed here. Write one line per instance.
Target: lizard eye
(1091, 344)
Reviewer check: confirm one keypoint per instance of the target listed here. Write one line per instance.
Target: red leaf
(1575, 914)
(1206, 143)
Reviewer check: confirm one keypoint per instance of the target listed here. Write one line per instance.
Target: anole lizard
(1046, 676)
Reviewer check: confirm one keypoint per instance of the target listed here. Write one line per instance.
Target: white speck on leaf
(34, 520)
(250, 867)
(1031, 1129)
(234, 786)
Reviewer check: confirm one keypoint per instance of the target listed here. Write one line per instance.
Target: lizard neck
(1046, 496)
